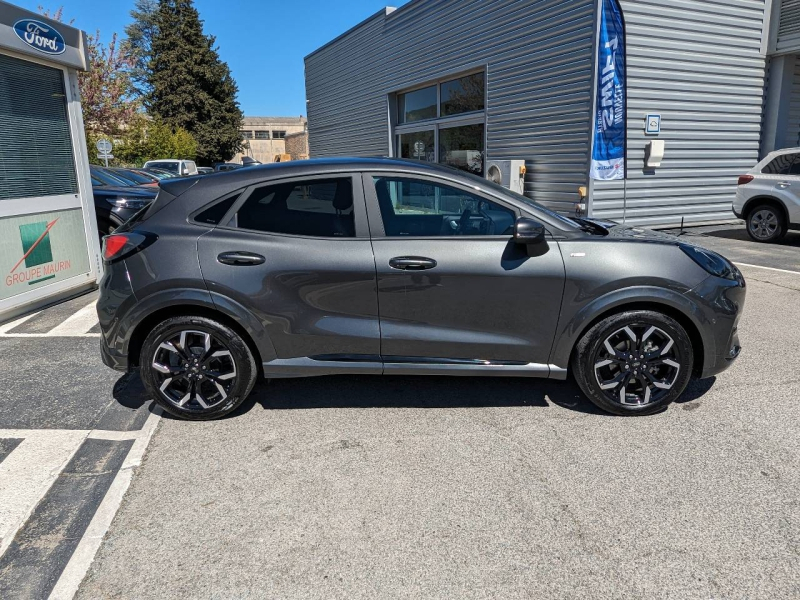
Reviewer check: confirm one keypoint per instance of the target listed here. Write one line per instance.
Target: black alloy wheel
(196, 368)
(634, 363)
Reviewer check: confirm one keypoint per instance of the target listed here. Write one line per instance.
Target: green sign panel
(35, 249)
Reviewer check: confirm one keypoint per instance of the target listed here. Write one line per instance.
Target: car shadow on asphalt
(792, 239)
(375, 391)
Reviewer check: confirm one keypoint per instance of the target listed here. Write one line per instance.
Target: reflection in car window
(416, 207)
(318, 208)
(782, 165)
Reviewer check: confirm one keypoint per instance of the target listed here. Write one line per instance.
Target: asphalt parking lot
(369, 487)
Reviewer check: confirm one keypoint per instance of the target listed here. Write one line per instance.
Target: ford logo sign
(40, 36)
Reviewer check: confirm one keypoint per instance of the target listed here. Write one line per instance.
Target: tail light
(120, 245)
(745, 179)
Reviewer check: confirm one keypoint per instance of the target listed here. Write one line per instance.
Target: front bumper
(722, 302)
(111, 358)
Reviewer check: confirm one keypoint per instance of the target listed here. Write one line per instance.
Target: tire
(766, 224)
(659, 379)
(210, 367)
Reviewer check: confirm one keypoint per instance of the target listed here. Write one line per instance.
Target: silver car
(768, 196)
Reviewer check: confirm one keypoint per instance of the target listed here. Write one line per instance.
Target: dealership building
(471, 82)
(49, 247)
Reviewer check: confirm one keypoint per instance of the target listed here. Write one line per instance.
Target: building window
(262, 135)
(247, 135)
(418, 105)
(454, 128)
(465, 94)
(278, 135)
(420, 145)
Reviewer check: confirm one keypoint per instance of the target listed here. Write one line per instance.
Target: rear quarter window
(780, 165)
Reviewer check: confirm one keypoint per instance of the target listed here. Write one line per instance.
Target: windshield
(503, 191)
(134, 176)
(109, 179)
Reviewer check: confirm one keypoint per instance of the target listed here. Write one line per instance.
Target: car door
(296, 253)
(452, 285)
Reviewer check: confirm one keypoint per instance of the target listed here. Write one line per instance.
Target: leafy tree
(108, 98)
(139, 43)
(190, 86)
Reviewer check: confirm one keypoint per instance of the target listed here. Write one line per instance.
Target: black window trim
(359, 207)
(376, 219)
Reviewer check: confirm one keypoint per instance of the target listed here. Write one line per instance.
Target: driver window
(416, 207)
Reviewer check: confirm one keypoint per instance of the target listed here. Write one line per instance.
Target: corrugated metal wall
(789, 26)
(791, 137)
(540, 64)
(698, 64)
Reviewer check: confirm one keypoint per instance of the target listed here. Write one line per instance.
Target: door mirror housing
(528, 231)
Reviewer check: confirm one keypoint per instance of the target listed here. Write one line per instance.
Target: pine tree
(140, 33)
(190, 86)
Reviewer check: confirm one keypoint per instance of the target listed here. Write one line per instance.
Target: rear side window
(215, 214)
(317, 208)
(781, 165)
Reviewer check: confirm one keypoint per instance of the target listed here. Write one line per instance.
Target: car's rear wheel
(197, 368)
(634, 363)
(766, 223)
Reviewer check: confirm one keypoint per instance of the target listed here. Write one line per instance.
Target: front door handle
(412, 263)
(240, 259)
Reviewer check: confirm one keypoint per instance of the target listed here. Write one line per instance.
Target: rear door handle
(785, 183)
(412, 263)
(241, 259)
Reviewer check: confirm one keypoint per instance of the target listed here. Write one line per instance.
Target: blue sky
(263, 41)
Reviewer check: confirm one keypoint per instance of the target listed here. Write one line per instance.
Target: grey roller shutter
(36, 155)
(789, 26)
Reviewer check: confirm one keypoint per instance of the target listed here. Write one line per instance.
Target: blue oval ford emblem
(40, 36)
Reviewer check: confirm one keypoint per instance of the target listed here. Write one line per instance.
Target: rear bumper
(115, 360)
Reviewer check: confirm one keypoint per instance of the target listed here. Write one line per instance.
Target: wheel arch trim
(764, 199)
(169, 303)
(673, 304)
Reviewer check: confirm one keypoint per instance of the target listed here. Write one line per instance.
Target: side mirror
(528, 231)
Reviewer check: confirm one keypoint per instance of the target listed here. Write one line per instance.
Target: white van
(182, 168)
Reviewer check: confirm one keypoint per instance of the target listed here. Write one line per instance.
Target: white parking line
(28, 472)
(84, 554)
(11, 324)
(767, 268)
(78, 323)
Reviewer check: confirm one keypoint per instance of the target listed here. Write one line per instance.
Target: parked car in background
(227, 166)
(135, 176)
(768, 196)
(280, 270)
(159, 173)
(248, 161)
(182, 168)
(204, 170)
(116, 201)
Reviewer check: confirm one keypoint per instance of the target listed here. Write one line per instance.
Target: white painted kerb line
(84, 554)
(78, 323)
(767, 268)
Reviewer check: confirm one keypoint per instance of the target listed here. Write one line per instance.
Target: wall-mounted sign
(36, 250)
(40, 36)
(653, 125)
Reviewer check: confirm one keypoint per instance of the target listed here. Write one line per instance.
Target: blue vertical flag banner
(608, 155)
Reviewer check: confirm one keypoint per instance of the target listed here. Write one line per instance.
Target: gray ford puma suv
(384, 266)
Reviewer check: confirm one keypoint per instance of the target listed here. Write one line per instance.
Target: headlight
(126, 203)
(712, 262)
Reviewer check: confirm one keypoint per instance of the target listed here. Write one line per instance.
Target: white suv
(768, 197)
(182, 168)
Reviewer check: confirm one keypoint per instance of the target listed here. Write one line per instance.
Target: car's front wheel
(765, 223)
(196, 368)
(634, 363)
